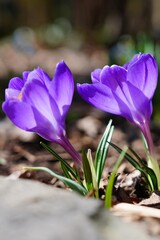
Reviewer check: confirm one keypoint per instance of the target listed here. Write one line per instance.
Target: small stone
(9, 131)
(89, 125)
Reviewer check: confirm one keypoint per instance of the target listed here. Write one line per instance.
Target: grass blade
(87, 171)
(63, 162)
(148, 170)
(102, 150)
(65, 171)
(70, 183)
(109, 189)
(93, 172)
(135, 164)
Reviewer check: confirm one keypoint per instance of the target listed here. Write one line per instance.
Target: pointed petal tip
(61, 64)
(81, 87)
(38, 68)
(62, 67)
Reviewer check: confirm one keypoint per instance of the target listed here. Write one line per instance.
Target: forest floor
(85, 126)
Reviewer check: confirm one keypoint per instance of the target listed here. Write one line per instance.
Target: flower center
(19, 96)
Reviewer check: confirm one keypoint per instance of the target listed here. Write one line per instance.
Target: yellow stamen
(19, 96)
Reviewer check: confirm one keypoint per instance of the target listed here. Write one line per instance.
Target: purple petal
(95, 75)
(16, 83)
(102, 97)
(30, 119)
(20, 114)
(36, 95)
(25, 75)
(62, 88)
(138, 103)
(40, 75)
(11, 93)
(51, 131)
(144, 74)
(133, 60)
(113, 76)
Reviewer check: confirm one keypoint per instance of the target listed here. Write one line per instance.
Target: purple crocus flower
(126, 91)
(38, 104)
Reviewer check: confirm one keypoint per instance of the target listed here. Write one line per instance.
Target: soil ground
(85, 126)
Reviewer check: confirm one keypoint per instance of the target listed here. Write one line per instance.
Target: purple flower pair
(38, 104)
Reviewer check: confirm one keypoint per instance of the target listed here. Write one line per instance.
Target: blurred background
(87, 34)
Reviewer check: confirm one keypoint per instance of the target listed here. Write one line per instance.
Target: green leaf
(148, 170)
(144, 142)
(153, 165)
(87, 171)
(135, 164)
(102, 150)
(70, 183)
(64, 164)
(93, 172)
(65, 171)
(111, 181)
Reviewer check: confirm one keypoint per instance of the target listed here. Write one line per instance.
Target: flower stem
(152, 161)
(148, 137)
(64, 142)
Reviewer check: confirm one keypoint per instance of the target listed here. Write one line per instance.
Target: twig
(125, 209)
